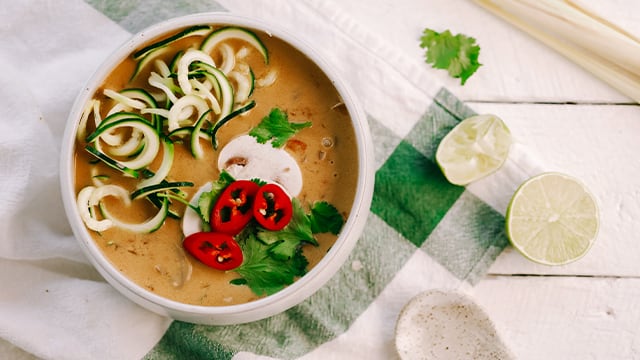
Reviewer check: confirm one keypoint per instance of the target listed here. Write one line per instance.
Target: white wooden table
(573, 123)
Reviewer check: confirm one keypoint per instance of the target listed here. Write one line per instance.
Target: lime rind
(552, 219)
(473, 149)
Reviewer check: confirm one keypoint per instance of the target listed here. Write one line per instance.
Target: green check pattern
(400, 189)
(414, 209)
(135, 15)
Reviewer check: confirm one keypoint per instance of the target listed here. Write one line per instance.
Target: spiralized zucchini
(188, 98)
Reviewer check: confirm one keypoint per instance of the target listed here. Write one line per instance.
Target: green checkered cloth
(414, 210)
(422, 232)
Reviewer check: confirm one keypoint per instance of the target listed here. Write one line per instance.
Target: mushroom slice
(245, 158)
(191, 221)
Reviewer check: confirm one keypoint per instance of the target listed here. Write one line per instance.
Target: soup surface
(325, 153)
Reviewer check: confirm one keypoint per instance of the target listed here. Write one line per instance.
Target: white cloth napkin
(53, 303)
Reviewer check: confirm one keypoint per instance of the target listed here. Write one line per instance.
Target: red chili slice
(219, 251)
(272, 207)
(232, 211)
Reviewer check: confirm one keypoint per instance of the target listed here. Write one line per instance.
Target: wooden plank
(515, 66)
(592, 142)
(564, 318)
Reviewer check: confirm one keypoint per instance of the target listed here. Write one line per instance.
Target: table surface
(573, 123)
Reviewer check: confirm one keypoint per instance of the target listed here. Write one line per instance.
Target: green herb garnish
(277, 128)
(264, 274)
(208, 199)
(273, 259)
(458, 54)
(286, 241)
(325, 217)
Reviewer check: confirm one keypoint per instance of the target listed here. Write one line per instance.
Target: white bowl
(261, 308)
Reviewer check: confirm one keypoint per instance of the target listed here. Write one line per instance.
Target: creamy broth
(326, 153)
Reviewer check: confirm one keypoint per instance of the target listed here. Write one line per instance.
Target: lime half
(552, 219)
(473, 149)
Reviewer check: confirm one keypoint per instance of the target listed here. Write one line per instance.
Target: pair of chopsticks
(597, 45)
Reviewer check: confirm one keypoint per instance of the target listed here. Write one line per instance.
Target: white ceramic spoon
(439, 324)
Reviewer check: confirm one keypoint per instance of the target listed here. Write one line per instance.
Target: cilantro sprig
(286, 241)
(458, 54)
(276, 128)
(274, 259)
(325, 217)
(263, 273)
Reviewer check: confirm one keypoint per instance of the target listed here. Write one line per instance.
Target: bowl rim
(264, 307)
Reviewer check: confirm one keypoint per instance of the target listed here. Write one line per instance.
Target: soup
(148, 149)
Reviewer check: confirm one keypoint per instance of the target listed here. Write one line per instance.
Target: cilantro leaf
(264, 274)
(208, 198)
(259, 181)
(458, 54)
(277, 128)
(288, 240)
(325, 217)
(285, 248)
